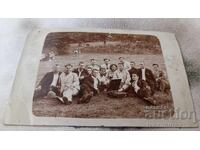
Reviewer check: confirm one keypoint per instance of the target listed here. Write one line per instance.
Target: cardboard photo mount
(19, 110)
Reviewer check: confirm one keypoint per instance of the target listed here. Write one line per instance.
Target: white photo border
(19, 110)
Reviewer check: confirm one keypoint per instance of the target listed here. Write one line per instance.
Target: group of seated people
(90, 80)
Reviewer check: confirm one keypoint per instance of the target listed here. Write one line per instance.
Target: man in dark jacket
(81, 71)
(49, 84)
(89, 86)
(162, 84)
(147, 75)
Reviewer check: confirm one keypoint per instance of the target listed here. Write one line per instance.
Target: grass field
(102, 106)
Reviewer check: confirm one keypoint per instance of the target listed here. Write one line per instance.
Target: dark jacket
(83, 73)
(88, 84)
(46, 81)
(148, 73)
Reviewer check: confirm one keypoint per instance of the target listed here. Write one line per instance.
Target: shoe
(65, 100)
(120, 90)
(51, 95)
(79, 101)
(82, 99)
(154, 102)
(88, 97)
(60, 99)
(151, 100)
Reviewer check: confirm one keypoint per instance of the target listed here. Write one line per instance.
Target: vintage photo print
(102, 75)
(98, 77)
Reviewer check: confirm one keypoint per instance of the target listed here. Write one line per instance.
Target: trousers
(68, 93)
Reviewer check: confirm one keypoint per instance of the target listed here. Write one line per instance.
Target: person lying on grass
(141, 89)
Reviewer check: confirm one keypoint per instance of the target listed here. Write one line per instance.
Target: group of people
(90, 80)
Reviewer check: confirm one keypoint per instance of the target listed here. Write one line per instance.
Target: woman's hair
(112, 66)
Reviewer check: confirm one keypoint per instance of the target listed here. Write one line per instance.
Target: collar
(135, 81)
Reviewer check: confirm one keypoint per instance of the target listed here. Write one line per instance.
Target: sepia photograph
(102, 75)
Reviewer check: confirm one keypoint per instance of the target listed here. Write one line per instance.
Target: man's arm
(128, 65)
(76, 80)
(58, 85)
(152, 75)
(128, 78)
(43, 80)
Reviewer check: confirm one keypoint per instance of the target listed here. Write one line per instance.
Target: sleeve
(59, 80)
(74, 71)
(61, 83)
(128, 78)
(128, 66)
(43, 80)
(76, 80)
(89, 82)
(152, 75)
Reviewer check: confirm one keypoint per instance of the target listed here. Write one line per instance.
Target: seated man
(49, 85)
(124, 75)
(90, 85)
(147, 75)
(141, 89)
(103, 79)
(81, 71)
(69, 84)
(106, 64)
(161, 82)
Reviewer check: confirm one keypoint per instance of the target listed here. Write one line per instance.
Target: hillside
(65, 43)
